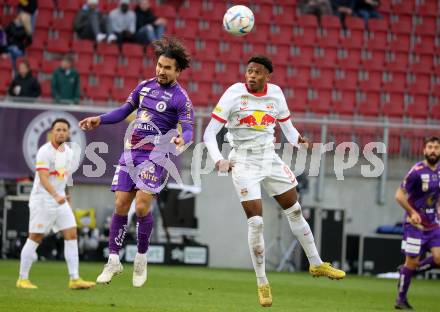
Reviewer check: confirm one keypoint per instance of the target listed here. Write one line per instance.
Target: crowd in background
(122, 24)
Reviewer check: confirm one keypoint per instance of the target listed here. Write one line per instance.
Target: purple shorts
(416, 242)
(148, 178)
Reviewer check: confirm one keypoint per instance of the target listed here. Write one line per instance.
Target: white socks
(27, 257)
(301, 229)
(113, 258)
(71, 256)
(256, 248)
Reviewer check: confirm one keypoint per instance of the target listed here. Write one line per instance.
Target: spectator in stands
(18, 39)
(24, 84)
(27, 9)
(89, 22)
(149, 27)
(367, 9)
(65, 82)
(121, 23)
(315, 7)
(343, 8)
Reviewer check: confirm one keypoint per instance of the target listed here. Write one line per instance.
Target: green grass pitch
(200, 289)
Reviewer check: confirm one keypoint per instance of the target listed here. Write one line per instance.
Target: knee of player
(436, 258)
(256, 222)
(294, 213)
(412, 263)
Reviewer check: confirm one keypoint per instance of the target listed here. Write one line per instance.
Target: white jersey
(58, 163)
(250, 118)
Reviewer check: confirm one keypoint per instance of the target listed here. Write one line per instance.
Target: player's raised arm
(185, 114)
(115, 115)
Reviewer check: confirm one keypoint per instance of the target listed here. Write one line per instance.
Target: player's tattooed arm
(413, 215)
(44, 179)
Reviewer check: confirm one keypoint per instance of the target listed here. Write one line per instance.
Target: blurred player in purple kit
(419, 195)
(161, 104)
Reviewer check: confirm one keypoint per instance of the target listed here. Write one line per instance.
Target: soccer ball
(238, 20)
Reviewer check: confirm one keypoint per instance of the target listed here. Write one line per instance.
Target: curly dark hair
(263, 60)
(174, 49)
(432, 139)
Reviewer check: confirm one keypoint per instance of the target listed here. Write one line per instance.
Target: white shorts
(46, 214)
(252, 167)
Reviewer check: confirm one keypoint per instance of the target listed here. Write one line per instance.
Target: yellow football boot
(265, 295)
(326, 269)
(80, 284)
(25, 283)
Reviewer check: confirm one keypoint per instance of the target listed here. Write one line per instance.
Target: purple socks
(118, 229)
(426, 265)
(144, 226)
(403, 284)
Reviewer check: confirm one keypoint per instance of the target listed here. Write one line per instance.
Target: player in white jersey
(250, 111)
(49, 207)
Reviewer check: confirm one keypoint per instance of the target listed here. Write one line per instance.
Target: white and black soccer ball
(238, 20)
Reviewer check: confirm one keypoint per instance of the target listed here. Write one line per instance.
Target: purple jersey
(159, 110)
(422, 184)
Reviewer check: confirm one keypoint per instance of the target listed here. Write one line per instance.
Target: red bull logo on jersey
(257, 120)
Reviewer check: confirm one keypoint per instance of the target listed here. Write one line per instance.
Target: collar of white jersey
(257, 93)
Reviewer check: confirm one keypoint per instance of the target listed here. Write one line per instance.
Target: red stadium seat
(306, 39)
(48, 66)
(104, 69)
(330, 22)
(378, 25)
(190, 10)
(63, 23)
(84, 64)
(354, 23)
(202, 71)
(328, 41)
(396, 82)
(352, 40)
(368, 103)
(280, 34)
(422, 63)
(371, 81)
(207, 50)
(227, 73)
(427, 26)
(326, 59)
(296, 98)
(321, 103)
(303, 58)
(46, 88)
(396, 61)
(420, 85)
(404, 7)
(307, 21)
(286, 17)
(119, 94)
(60, 45)
(44, 19)
(343, 102)
(213, 10)
(130, 70)
(166, 11)
(399, 42)
(83, 46)
(107, 49)
(72, 6)
(347, 80)
(298, 76)
(377, 41)
(132, 50)
(372, 60)
(424, 44)
(210, 30)
(401, 27)
(427, 8)
(419, 108)
(348, 58)
(393, 104)
(186, 28)
(323, 79)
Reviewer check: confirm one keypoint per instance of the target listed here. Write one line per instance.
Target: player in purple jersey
(161, 104)
(419, 195)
